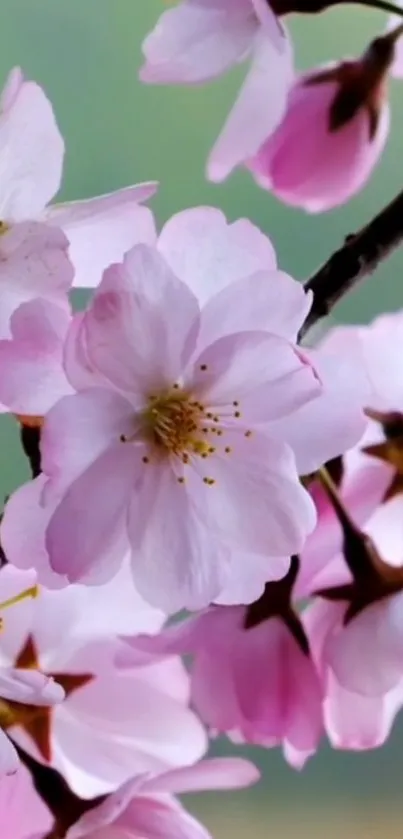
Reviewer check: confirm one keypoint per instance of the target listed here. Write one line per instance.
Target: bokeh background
(86, 54)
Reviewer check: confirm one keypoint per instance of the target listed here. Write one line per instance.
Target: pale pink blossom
(199, 40)
(231, 270)
(98, 230)
(174, 446)
(355, 718)
(332, 135)
(23, 815)
(112, 724)
(146, 806)
(256, 683)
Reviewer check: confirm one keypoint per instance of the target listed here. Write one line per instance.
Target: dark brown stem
(65, 806)
(30, 440)
(357, 258)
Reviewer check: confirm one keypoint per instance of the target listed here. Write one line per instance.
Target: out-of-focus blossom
(333, 133)
(99, 230)
(252, 675)
(199, 40)
(146, 806)
(112, 724)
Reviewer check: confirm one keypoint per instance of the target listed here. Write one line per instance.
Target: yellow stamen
(18, 598)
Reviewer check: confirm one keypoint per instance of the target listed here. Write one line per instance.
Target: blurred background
(86, 54)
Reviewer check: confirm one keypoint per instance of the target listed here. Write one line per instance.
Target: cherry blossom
(99, 230)
(112, 724)
(146, 805)
(199, 40)
(173, 427)
(252, 675)
(333, 133)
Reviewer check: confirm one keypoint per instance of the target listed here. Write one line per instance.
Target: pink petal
(216, 773)
(267, 300)
(366, 655)
(356, 722)
(250, 572)
(31, 150)
(264, 375)
(334, 421)
(33, 263)
(258, 110)
(121, 726)
(87, 531)
(101, 230)
(24, 546)
(9, 760)
(209, 254)
(29, 687)
(162, 819)
(80, 372)
(95, 419)
(128, 813)
(32, 378)
(130, 338)
(165, 521)
(21, 807)
(257, 500)
(197, 41)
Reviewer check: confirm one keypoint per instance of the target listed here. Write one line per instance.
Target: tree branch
(359, 256)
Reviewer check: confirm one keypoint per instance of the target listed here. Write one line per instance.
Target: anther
(227, 450)
(203, 367)
(235, 404)
(248, 433)
(237, 414)
(145, 459)
(181, 480)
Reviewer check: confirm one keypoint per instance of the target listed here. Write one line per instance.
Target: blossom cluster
(204, 483)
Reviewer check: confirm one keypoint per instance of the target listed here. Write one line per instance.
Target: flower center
(172, 423)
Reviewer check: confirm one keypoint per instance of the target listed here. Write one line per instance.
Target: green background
(86, 54)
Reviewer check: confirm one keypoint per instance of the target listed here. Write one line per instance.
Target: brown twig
(357, 258)
(64, 805)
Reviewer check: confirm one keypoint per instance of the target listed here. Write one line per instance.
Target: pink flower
(146, 807)
(332, 135)
(181, 429)
(99, 230)
(22, 813)
(357, 717)
(231, 270)
(112, 724)
(199, 40)
(252, 675)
